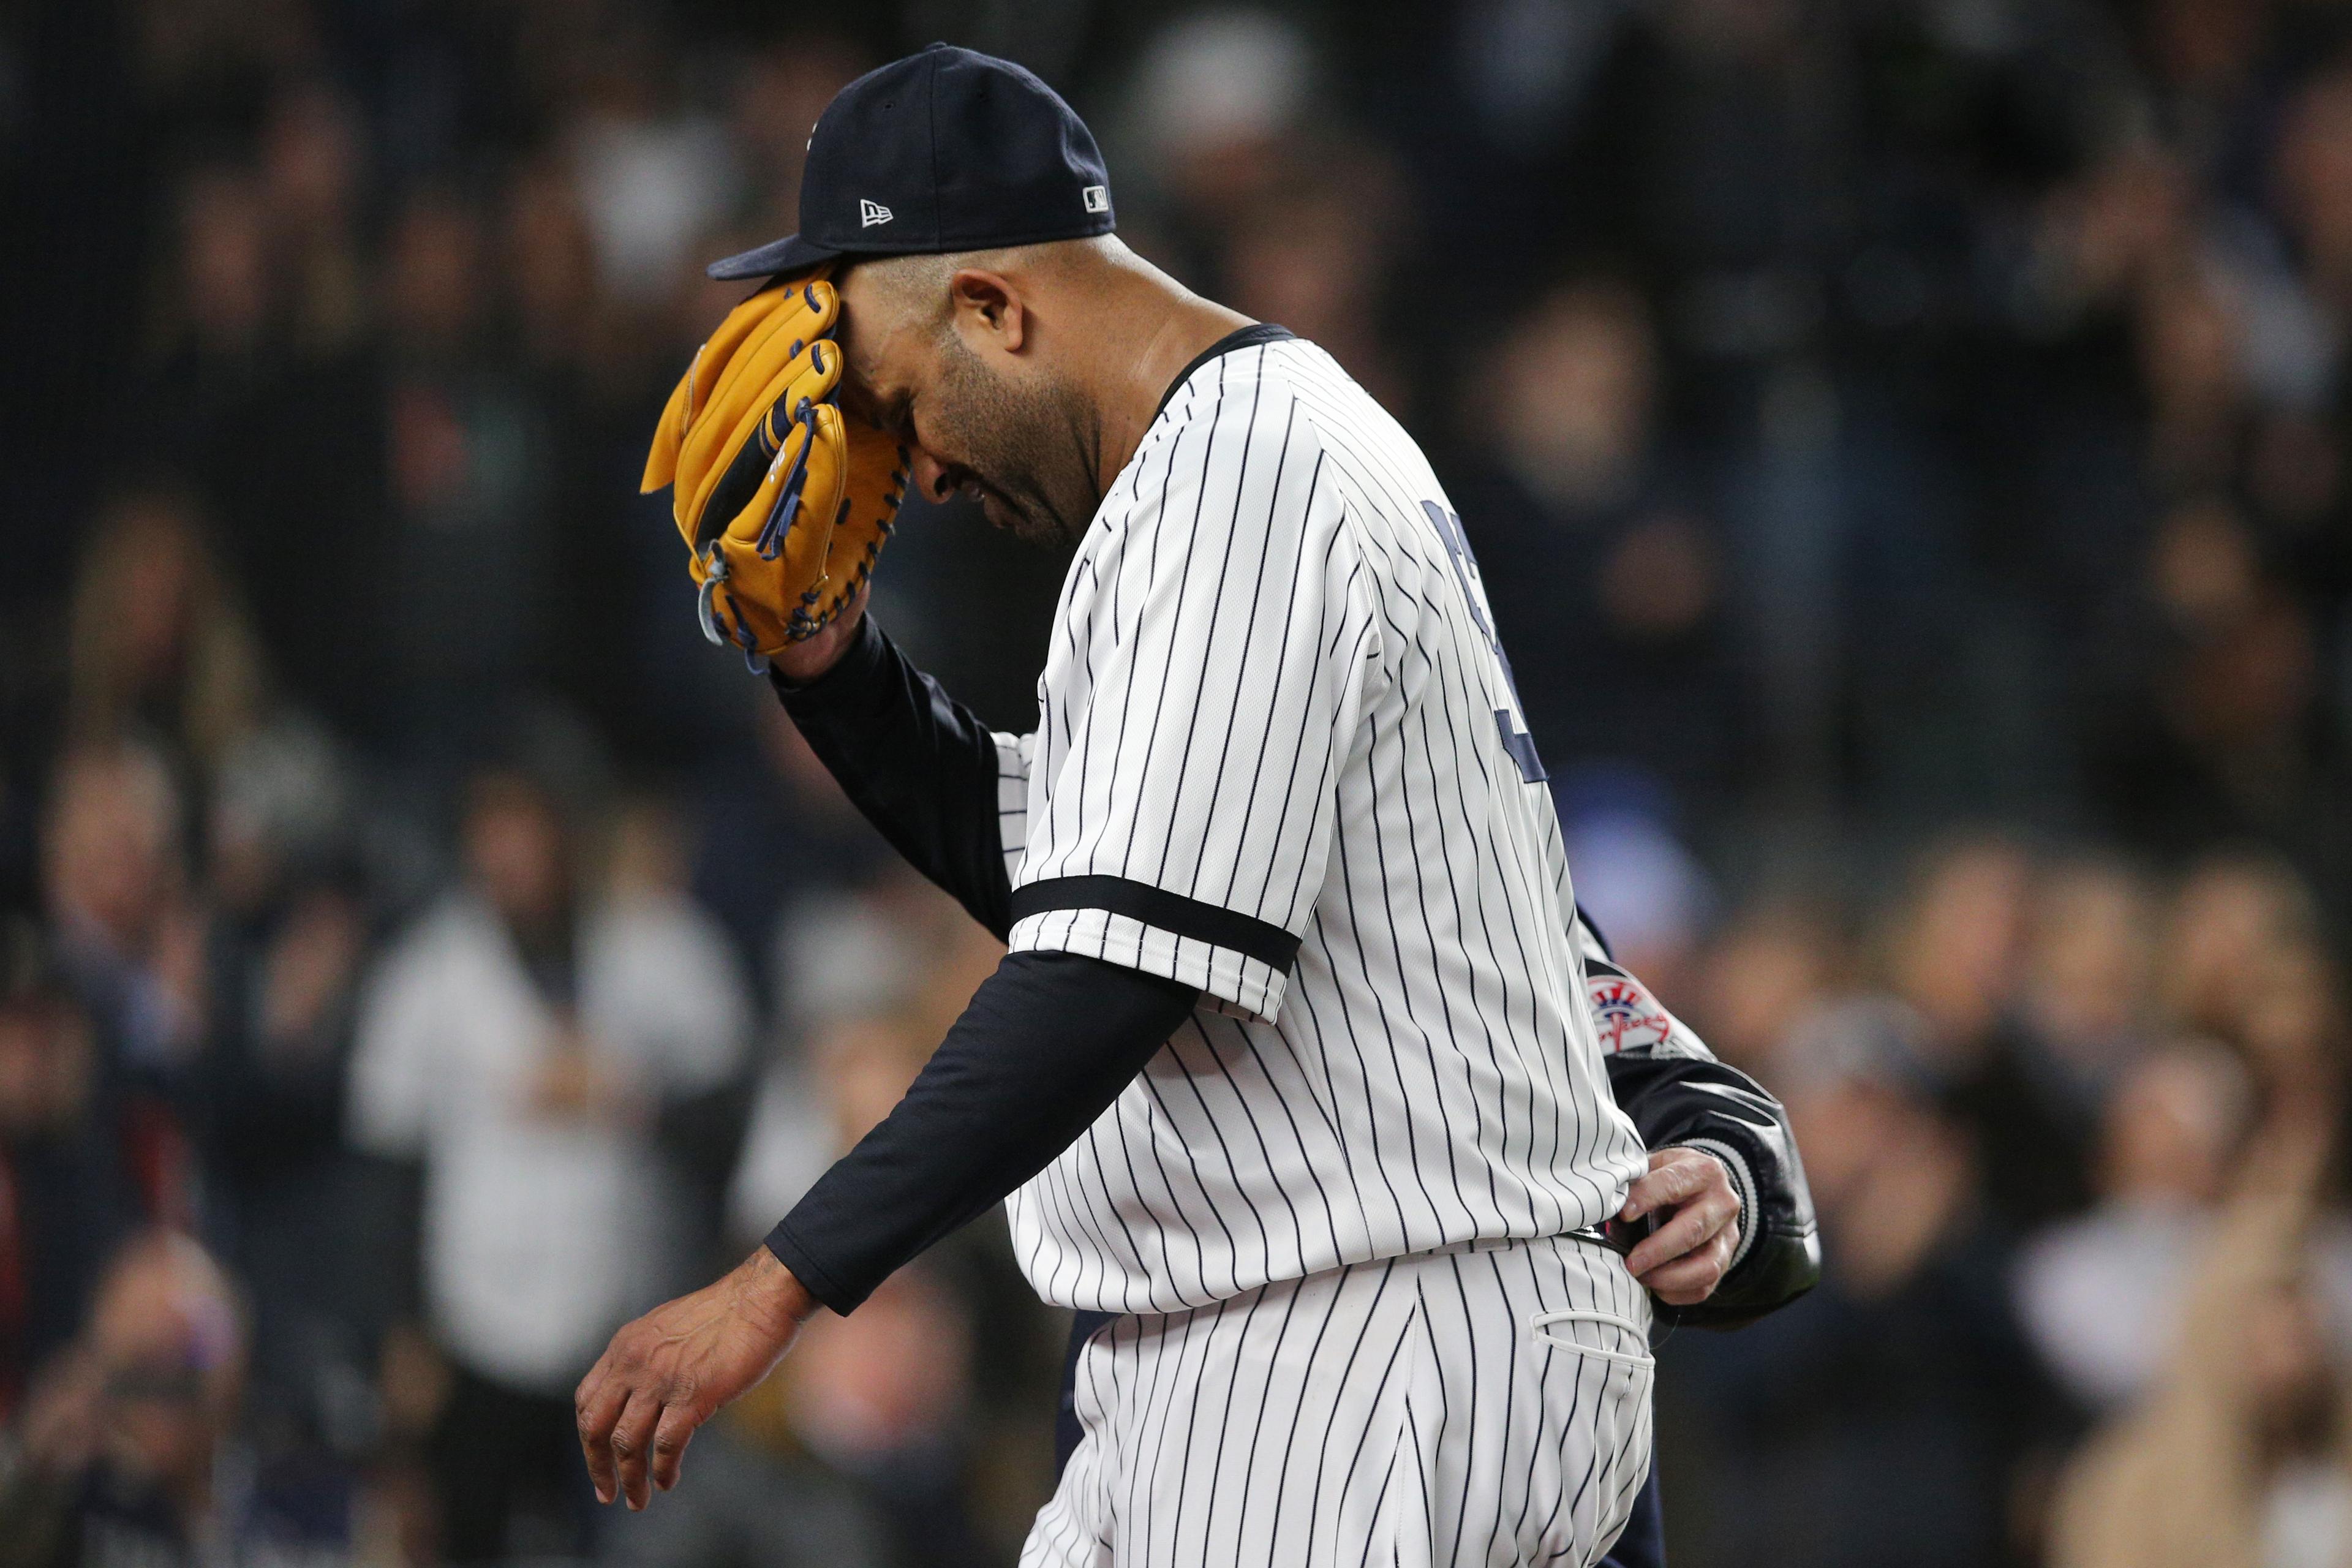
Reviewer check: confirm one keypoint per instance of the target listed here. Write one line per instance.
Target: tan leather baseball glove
(784, 500)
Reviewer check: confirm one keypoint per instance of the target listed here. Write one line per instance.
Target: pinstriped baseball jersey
(1280, 758)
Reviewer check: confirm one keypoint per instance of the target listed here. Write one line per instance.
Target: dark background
(1906, 441)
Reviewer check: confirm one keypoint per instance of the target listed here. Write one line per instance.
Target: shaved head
(915, 289)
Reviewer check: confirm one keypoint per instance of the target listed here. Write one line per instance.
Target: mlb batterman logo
(1097, 198)
(1624, 1015)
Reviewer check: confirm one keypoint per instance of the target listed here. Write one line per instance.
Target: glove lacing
(715, 629)
(788, 500)
(770, 544)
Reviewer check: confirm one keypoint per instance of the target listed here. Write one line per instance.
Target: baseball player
(1292, 1069)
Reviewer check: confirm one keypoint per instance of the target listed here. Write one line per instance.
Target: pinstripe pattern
(1404, 1412)
(1274, 693)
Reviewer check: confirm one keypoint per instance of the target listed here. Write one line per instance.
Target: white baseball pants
(1481, 1406)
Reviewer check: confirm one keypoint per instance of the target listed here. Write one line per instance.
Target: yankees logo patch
(1626, 1016)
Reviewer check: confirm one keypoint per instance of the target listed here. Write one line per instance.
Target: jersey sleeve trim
(1171, 912)
(1228, 981)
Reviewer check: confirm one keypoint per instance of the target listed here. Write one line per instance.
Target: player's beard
(1024, 443)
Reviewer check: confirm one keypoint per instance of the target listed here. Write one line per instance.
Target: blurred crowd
(1911, 454)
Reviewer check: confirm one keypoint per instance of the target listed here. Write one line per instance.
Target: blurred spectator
(551, 257)
(2294, 1033)
(870, 986)
(131, 945)
(160, 644)
(1612, 601)
(2314, 176)
(521, 1042)
(1954, 941)
(130, 1448)
(1767, 967)
(782, 90)
(2206, 741)
(286, 940)
(1218, 106)
(1316, 256)
(221, 335)
(467, 600)
(2237, 1454)
(867, 983)
(2193, 356)
(813, 1104)
(2089, 953)
(65, 1196)
(1645, 892)
(2034, 1087)
(781, 849)
(311, 169)
(2228, 915)
(117, 887)
(1878, 1421)
(2101, 1294)
(883, 1396)
(2000, 966)
(652, 183)
(753, 1506)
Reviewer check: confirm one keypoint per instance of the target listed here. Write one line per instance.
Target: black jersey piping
(1219, 927)
(1247, 337)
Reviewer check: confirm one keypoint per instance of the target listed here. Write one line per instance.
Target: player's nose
(934, 481)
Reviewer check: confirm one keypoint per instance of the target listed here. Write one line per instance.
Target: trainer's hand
(802, 662)
(1686, 1256)
(671, 1370)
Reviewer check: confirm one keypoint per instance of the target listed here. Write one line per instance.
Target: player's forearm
(1045, 1046)
(921, 766)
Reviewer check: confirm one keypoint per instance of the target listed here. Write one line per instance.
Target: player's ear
(988, 310)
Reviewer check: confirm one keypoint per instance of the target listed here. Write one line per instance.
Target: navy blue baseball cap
(945, 150)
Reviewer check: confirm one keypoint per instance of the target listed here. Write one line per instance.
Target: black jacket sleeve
(1678, 1093)
(1047, 1044)
(920, 765)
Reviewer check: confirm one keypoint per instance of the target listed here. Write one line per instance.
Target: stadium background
(1906, 440)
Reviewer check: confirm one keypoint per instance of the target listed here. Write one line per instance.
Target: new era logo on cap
(870, 213)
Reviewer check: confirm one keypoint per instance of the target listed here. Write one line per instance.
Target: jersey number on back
(1511, 721)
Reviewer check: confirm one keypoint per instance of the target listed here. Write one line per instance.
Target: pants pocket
(1604, 1426)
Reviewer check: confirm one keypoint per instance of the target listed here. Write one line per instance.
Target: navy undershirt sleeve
(1045, 1046)
(920, 765)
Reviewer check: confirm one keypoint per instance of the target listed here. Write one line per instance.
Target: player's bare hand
(1686, 1254)
(673, 1368)
(802, 662)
